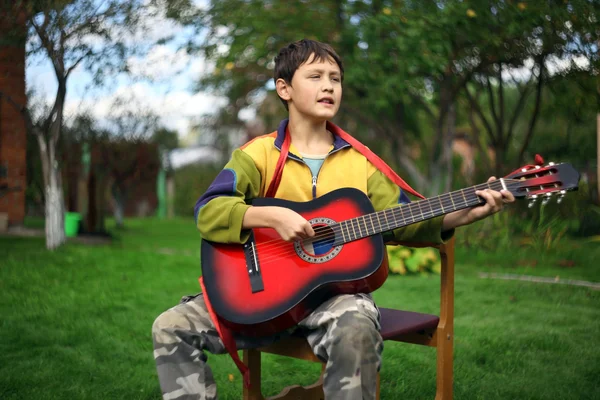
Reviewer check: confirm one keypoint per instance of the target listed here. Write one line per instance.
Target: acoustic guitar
(268, 285)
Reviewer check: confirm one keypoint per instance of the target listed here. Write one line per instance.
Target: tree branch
(76, 63)
(492, 100)
(487, 125)
(519, 107)
(538, 100)
(501, 102)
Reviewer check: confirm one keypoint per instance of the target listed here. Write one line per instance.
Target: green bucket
(72, 223)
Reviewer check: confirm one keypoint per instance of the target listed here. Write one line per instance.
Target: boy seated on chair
(343, 331)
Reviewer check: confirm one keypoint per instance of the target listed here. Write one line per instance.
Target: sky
(162, 82)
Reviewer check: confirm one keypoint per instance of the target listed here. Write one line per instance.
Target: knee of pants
(355, 332)
(165, 325)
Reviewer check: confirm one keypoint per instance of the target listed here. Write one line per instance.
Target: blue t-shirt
(314, 162)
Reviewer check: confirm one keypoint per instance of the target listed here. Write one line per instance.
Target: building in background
(13, 135)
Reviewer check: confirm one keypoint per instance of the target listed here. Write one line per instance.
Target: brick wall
(13, 137)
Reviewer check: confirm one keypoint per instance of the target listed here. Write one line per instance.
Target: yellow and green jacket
(220, 210)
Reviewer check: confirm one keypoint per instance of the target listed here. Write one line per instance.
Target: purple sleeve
(223, 185)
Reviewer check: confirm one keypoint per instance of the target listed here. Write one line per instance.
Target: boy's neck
(310, 137)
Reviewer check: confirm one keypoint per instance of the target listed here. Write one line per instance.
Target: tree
(127, 153)
(409, 65)
(70, 33)
(532, 45)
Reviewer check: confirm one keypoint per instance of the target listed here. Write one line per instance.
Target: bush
(413, 261)
(190, 183)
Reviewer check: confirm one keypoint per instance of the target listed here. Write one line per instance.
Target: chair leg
(377, 393)
(252, 360)
(296, 392)
(444, 366)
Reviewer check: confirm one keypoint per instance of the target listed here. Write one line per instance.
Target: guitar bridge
(253, 266)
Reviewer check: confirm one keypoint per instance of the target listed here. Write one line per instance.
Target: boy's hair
(291, 57)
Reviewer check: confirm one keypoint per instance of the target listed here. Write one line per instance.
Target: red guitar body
(268, 285)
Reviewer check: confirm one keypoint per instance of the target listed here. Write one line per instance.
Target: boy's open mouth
(326, 100)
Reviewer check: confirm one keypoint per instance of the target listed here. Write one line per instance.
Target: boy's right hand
(289, 224)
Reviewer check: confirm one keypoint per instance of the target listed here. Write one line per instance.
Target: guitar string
(288, 247)
(446, 203)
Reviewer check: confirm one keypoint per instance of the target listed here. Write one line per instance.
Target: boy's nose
(328, 87)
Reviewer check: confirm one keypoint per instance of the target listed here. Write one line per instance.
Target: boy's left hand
(495, 201)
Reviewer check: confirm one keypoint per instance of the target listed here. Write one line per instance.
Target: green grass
(76, 323)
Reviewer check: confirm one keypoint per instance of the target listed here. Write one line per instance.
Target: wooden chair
(397, 325)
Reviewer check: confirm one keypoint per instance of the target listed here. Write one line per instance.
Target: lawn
(76, 322)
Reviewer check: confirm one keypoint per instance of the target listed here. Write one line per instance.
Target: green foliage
(413, 260)
(190, 183)
(590, 222)
(165, 138)
(490, 234)
(545, 233)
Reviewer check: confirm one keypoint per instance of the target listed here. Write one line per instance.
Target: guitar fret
(371, 219)
(365, 225)
(441, 205)
(464, 198)
(411, 213)
(386, 218)
(452, 200)
(420, 210)
(342, 230)
(352, 225)
(360, 234)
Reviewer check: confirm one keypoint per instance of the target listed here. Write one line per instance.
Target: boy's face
(316, 90)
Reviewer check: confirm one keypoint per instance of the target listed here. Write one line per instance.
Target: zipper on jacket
(314, 178)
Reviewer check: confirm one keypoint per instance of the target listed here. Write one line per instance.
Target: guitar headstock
(535, 182)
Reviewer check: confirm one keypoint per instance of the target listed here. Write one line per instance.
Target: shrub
(190, 183)
(413, 261)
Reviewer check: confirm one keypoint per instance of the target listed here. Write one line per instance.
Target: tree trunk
(118, 213)
(119, 206)
(54, 206)
(447, 153)
(170, 196)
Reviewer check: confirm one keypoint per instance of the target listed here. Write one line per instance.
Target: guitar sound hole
(321, 243)
(320, 248)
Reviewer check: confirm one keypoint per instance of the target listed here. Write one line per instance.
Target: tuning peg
(546, 199)
(532, 201)
(550, 163)
(561, 197)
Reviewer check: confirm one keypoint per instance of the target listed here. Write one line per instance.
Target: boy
(343, 331)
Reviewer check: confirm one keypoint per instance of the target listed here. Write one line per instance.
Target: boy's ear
(283, 89)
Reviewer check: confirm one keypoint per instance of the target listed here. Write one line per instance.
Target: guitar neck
(417, 211)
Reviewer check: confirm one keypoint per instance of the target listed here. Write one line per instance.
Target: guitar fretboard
(403, 215)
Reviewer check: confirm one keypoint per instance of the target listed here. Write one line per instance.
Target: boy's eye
(336, 79)
(315, 76)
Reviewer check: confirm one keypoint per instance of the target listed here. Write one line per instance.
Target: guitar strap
(361, 148)
(224, 332)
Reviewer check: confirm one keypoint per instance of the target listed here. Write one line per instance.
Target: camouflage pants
(343, 332)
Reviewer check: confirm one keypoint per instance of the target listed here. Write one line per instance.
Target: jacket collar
(338, 142)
